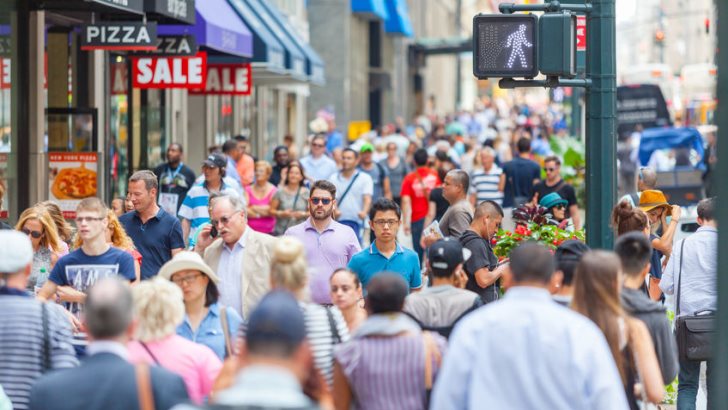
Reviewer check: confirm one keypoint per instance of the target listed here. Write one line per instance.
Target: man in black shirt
(482, 268)
(520, 175)
(554, 183)
(281, 160)
(175, 179)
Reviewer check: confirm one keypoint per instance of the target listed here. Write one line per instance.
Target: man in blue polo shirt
(385, 254)
(157, 235)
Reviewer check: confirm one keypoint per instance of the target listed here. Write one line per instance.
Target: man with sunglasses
(74, 273)
(239, 255)
(554, 183)
(317, 165)
(646, 180)
(329, 244)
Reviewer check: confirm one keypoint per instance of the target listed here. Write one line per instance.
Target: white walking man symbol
(517, 40)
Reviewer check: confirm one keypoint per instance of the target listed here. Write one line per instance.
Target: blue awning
(216, 27)
(398, 20)
(369, 8)
(268, 53)
(314, 64)
(295, 61)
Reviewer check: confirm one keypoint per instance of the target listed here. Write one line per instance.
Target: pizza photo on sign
(74, 183)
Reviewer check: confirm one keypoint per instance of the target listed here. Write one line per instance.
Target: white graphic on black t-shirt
(82, 277)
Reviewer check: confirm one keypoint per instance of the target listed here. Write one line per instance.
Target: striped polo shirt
(21, 344)
(194, 207)
(485, 185)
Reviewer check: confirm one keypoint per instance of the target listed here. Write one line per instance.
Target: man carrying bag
(691, 273)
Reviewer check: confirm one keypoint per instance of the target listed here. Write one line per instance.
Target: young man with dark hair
(554, 183)
(329, 245)
(175, 179)
(385, 253)
(691, 275)
(246, 164)
(440, 306)
(521, 174)
(486, 366)
(416, 188)
(482, 268)
(568, 255)
(355, 192)
(281, 159)
(233, 152)
(634, 250)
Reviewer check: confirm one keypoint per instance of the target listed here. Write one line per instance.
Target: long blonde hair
(288, 266)
(119, 238)
(64, 229)
(50, 238)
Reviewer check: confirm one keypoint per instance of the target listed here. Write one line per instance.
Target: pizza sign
(73, 177)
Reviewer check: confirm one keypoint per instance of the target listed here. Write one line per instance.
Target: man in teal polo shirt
(385, 254)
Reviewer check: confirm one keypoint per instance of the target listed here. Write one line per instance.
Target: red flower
(521, 230)
(508, 233)
(528, 232)
(494, 241)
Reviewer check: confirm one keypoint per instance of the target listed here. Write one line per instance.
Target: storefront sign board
(122, 35)
(227, 79)
(73, 177)
(169, 72)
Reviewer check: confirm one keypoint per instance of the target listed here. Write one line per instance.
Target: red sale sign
(230, 79)
(169, 72)
(580, 33)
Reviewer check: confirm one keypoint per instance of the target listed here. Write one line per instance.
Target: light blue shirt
(232, 170)
(230, 270)
(353, 202)
(699, 271)
(527, 352)
(210, 332)
(318, 168)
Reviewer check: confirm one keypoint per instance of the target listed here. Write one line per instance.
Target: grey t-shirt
(440, 306)
(353, 202)
(396, 176)
(457, 219)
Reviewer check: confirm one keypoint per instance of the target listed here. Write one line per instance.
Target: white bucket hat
(186, 260)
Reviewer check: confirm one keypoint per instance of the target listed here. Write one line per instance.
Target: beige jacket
(257, 254)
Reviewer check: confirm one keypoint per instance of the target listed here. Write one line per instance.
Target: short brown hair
(626, 218)
(324, 185)
(552, 158)
(150, 180)
(93, 204)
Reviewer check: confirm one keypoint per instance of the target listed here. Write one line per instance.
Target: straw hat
(186, 260)
(652, 199)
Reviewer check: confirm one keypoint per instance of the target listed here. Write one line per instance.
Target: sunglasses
(34, 234)
(560, 206)
(224, 219)
(550, 169)
(317, 201)
(318, 145)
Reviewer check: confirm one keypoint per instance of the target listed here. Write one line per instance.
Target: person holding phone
(483, 268)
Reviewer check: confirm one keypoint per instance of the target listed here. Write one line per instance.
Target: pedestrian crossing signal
(505, 45)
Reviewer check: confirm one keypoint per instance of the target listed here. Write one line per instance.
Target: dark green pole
(720, 380)
(601, 106)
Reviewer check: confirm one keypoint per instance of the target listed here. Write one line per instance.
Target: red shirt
(417, 185)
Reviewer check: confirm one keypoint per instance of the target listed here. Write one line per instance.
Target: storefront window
(8, 93)
(154, 136)
(119, 126)
(224, 117)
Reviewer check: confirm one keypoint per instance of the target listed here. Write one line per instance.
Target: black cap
(216, 161)
(276, 319)
(571, 250)
(446, 254)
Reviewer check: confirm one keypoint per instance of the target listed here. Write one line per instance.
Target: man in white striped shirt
(34, 338)
(485, 183)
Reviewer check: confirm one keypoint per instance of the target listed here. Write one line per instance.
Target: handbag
(695, 332)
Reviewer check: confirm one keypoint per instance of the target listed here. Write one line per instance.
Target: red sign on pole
(169, 72)
(230, 79)
(580, 33)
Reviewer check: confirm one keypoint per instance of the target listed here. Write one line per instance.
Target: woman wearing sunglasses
(556, 206)
(37, 223)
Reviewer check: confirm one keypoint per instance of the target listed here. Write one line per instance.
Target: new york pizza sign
(170, 72)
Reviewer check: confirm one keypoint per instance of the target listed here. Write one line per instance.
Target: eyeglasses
(550, 169)
(82, 219)
(34, 234)
(224, 219)
(317, 201)
(385, 222)
(318, 145)
(186, 279)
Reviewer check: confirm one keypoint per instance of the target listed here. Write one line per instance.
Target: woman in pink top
(258, 197)
(158, 308)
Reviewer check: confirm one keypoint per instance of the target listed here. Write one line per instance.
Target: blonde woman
(325, 327)
(116, 236)
(37, 223)
(158, 309)
(64, 229)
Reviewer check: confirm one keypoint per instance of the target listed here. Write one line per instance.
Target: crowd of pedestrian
(293, 284)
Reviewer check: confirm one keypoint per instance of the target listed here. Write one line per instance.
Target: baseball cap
(571, 250)
(276, 319)
(446, 254)
(16, 251)
(216, 161)
(366, 147)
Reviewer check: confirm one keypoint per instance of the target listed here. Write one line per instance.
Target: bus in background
(698, 84)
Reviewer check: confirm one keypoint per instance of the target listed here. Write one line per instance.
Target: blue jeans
(688, 383)
(417, 228)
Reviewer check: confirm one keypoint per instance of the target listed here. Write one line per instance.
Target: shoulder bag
(332, 326)
(694, 332)
(144, 387)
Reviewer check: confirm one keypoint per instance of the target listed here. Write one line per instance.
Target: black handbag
(694, 333)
